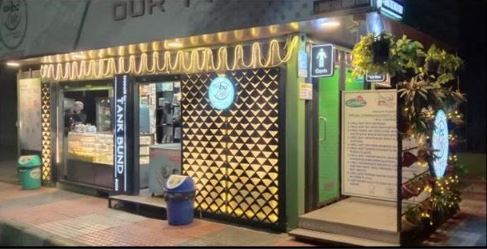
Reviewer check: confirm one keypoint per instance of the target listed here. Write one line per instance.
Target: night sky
(461, 24)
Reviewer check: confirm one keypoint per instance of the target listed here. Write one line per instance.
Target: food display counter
(90, 158)
(91, 147)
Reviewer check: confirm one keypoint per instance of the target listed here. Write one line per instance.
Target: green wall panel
(295, 132)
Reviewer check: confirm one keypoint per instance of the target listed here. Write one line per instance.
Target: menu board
(30, 114)
(369, 144)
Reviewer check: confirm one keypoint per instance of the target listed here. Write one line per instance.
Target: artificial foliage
(427, 82)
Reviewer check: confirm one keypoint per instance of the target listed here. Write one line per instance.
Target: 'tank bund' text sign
(369, 144)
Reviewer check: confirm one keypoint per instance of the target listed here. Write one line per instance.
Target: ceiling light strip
(189, 61)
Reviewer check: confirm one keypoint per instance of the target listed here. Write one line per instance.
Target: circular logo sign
(359, 101)
(13, 22)
(440, 144)
(221, 93)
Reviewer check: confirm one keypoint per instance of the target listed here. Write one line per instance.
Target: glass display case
(168, 112)
(103, 114)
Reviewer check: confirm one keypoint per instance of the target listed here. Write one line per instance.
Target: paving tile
(290, 243)
(202, 242)
(38, 199)
(128, 217)
(196, 229)
(238, 236)
(87, 220)
(72, 227)
(16, 192)
(131, 235)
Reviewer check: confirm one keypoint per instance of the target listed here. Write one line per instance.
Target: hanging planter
(373, 54)
(380, 50)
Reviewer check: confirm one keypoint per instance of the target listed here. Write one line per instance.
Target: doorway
(328, 133)
(159, 130)
(323, 174)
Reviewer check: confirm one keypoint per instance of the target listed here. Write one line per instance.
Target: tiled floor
(87, 220)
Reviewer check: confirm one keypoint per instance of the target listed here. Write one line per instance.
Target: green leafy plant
(409, 54)
(446, 63)
(415, 101)
(423, 80)
(363, 56)
(404, 55)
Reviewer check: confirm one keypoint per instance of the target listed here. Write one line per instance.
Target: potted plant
(372, 54)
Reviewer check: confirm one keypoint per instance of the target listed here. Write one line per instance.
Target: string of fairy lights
(194, 60)
(442, 185)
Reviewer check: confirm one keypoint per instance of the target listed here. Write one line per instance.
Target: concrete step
(338, 238)
(355, 217)
(349, 230)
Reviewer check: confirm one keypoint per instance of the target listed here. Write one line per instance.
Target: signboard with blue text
(123, 136)
(302, 63)
(391, 8)
(322, 60)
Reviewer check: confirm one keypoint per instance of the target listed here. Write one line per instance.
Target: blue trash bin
(179, 198)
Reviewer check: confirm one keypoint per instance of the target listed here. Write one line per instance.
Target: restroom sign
(322, 60)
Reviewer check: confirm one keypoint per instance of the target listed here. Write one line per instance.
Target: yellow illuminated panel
(46, 133)
(233, 155)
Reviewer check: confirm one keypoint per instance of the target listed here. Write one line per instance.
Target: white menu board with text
(369, 144)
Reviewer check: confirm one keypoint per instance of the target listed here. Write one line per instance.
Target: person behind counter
(75, 115)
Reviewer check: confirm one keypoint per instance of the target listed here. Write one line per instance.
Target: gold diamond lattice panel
(46, 132)
(203, 144)
(253, 146)
(233, 155)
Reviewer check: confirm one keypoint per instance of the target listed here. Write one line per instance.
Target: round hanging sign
(221, 93)
(13, 22)
(440, 144)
